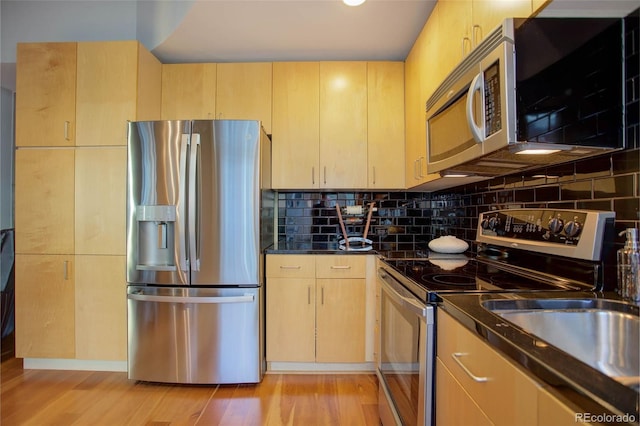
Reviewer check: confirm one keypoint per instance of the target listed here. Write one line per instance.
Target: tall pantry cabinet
(72, 104)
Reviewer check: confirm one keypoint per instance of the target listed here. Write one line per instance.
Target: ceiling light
(353, 2)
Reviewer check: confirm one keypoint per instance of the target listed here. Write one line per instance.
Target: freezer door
(195, 335)
(156, 202)
(225, 215)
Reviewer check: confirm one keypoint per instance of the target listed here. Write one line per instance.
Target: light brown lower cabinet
(100, 308)
(552, 411)
(45, 306)
(475, 384)
(455, 406)
(315, 308)
(71, 307)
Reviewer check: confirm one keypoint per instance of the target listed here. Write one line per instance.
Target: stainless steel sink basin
(599, 332)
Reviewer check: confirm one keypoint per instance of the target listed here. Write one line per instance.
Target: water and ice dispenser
(156, 237)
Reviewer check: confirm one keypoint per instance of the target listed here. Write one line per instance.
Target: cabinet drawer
(504, 392)
(291, 266)
(341, 266)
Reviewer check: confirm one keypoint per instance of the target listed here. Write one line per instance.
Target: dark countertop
(386, 250)
(313, 248)
(591, 391)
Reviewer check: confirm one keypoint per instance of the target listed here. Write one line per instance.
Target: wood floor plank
(45, 397)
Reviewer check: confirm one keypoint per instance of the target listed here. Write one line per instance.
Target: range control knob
(573, 228)
(555, 225)
(485, 223)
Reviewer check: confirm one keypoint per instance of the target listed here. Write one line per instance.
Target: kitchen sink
(602, 333)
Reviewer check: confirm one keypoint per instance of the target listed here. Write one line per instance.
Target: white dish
(448, 244)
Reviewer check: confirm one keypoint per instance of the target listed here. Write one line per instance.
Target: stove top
(428, 277)
(519, 250)
(456, 274)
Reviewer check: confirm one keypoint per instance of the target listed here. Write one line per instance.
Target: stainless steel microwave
(535, 92)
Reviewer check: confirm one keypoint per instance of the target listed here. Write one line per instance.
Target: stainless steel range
(519, 250)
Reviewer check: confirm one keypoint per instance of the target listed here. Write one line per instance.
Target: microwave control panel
(492, 106)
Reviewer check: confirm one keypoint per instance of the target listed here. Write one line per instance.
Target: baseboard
(315, 367)
(73, 364)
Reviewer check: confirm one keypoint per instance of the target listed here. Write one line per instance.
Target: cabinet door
(343, 125)
(487, 15)
(456, 22)
(44, 201)
(45, 303)
(507, 396)
(454, 407)
(107, 91)
(101, 308)
(290, 319)
(243, 92)
(296, 125)
(385, 134)
(422, 75)
(45, 94)
(340, 320)
(552, 411)
(100, 200)
(188, 91)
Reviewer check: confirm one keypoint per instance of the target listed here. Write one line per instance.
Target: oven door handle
(411, 303)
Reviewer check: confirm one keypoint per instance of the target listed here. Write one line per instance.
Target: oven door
(406, 359)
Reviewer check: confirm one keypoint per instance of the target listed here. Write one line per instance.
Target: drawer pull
(289, 267)
(341, 267)
(456, 357)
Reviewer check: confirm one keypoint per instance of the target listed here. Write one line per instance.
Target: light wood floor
(47, 397)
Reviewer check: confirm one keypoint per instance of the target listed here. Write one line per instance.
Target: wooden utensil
(344, 230)
(366, 228)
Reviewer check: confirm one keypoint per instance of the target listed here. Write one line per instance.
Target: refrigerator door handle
(193, 205)
(182, 206)
(247, 298)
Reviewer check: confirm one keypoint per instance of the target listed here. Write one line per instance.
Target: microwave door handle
(477, 85)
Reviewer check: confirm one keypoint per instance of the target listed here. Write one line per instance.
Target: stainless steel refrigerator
(199, 216)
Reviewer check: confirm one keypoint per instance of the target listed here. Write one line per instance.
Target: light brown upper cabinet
(487, 15)
(112, 79)
(46, 83)
(465, 23)
(343, 125)
(422, 73)
(296, 125)
(385, 134)
(454, 34)
(189, 91)
(243, 92)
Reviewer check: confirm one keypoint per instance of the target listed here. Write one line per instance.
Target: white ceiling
(281, 30)
(180, 31)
